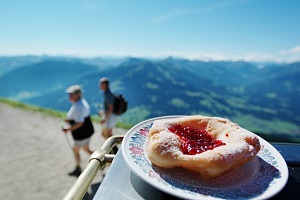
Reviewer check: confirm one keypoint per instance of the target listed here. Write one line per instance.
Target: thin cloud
(294, 50)
(248, 57)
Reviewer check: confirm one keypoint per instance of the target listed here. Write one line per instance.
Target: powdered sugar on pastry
(236, 146)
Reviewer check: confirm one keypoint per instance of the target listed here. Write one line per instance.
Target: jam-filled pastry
(209, 146)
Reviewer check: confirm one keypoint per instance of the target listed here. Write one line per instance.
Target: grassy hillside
(262, 100)
(270, 137)
(51, 112)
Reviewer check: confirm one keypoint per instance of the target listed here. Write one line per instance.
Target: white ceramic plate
(261, 178)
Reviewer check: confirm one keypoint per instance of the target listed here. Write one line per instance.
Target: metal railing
(97, 161)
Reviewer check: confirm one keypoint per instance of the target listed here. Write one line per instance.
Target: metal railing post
(97, 161)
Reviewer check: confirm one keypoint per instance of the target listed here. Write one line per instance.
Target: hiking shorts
(110, 123)
(83, 142)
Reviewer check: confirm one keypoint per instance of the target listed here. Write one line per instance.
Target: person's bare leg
(104, 133)
(109, 132)
(87, 149)
(77, 155)
(77, 170)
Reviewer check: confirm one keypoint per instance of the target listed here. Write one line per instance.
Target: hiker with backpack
(109, 119)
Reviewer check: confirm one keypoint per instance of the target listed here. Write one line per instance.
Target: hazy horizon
(233, 30)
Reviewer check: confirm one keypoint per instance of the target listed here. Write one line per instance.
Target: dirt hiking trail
(36, 157)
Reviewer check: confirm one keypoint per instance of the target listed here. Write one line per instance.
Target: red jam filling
(195, 141)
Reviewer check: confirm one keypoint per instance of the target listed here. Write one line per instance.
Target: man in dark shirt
(109, 118)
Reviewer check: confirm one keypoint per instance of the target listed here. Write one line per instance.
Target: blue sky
(251, 30)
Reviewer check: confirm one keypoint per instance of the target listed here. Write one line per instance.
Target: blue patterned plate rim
(261, 178)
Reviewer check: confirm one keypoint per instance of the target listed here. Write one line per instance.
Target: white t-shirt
(79, 111)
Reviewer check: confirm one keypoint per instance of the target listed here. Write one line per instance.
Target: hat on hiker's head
(74, 89)
(105, 81)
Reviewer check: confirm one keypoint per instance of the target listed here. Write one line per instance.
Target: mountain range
(261, 98)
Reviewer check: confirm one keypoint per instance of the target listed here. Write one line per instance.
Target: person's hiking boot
(77, 171)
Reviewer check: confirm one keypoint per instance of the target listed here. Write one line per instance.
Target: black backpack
(120, 104)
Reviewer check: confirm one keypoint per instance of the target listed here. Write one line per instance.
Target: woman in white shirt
(80, 123)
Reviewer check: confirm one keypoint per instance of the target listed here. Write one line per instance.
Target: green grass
(124, 125)
(51, 112)
(272, 130)
(285, 131)
(23, 106)
(179, 103)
